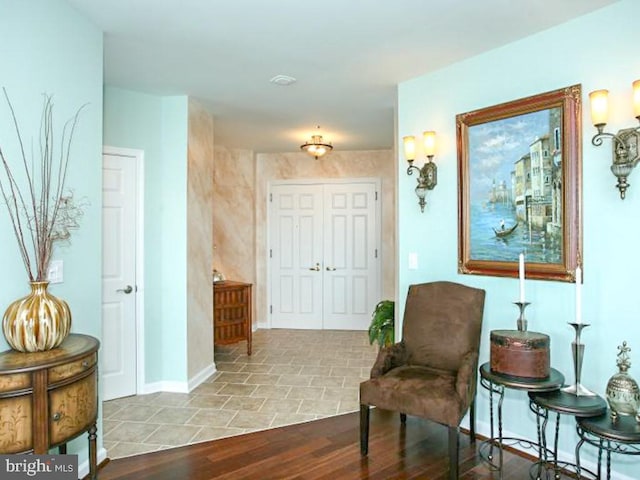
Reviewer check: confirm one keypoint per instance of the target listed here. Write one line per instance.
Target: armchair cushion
(416, 390)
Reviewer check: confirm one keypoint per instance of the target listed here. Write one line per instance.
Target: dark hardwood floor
(322, 449)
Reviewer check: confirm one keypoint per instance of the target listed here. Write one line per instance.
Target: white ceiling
(347, 55)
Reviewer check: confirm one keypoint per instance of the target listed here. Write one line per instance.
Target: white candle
(521, 271)
(578, 295)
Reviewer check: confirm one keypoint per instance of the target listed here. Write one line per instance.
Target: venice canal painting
(515, 188)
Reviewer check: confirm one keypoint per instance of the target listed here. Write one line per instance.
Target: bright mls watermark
(49, 467)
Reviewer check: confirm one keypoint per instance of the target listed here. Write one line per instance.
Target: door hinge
(376, 253)
(270, 308)
(376, 196)
(270, 253)
(271, 197)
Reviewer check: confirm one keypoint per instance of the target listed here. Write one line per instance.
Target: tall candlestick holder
(522, 322)
(577, 350)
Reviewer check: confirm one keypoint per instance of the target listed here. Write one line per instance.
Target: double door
(324, 255)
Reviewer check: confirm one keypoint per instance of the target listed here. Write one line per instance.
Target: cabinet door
(16, 422)
(72, 408)
(231, 314)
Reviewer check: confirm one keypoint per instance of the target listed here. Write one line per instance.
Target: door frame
(138, 157)
(320, 181)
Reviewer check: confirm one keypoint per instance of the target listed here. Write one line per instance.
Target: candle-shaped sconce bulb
(599, 107)
(636, 99)
(521, 275)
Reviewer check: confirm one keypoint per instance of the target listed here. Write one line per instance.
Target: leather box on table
(520, 353)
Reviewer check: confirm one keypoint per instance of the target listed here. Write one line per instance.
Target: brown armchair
(432, 372)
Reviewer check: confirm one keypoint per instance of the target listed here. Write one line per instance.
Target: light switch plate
(413, 261)
(55, 274)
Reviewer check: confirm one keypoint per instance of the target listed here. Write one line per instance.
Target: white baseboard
(201, 376)
(484, 428)
(174, 387)
(83, 468)
(180, 387)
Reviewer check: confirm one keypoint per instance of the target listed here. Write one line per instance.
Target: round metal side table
(496, 383)
(621, 436)
(541, 403)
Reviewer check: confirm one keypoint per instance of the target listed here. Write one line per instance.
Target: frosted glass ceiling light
(316, 147)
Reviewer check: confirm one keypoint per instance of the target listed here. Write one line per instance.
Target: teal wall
(158, 126)
(175, 121)
(46, 47)
(598, 51)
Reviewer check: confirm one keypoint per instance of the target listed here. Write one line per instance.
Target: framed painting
(520, 187)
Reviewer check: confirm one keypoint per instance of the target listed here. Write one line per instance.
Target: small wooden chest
(520, 353)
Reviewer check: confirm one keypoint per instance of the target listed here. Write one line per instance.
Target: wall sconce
(428, 174)
(626, 143)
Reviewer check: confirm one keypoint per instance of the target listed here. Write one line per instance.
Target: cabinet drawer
(16, 431)
(61, 372)
(16, 381)
(72, 408)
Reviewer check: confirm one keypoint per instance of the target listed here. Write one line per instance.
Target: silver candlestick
(577, 350)
(522, 322)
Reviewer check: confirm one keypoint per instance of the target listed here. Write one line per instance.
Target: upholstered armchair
(432, 372)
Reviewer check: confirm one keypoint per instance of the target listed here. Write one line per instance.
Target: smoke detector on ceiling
(283, 80)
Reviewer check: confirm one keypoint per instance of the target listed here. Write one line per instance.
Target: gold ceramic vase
(37, 322)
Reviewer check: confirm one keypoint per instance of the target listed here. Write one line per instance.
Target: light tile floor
(292, 376)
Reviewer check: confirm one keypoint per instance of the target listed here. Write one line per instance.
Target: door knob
(331, 269)
(316, 268)
(128, 289)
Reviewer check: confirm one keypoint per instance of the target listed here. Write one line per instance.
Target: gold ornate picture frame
(520, 186)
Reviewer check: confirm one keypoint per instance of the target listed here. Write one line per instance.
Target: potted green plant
(382, 326)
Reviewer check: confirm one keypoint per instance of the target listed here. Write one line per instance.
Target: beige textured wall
(234, 214)
(234, 219)
(199, 238)
(240, 209)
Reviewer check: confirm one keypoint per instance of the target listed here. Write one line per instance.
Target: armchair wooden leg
(453, 453)
(472, 421)
(403, 418)
(364, 429)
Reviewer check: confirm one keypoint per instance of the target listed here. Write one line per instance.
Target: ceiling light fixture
(316, 147)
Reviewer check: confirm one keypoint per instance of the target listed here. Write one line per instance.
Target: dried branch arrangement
(42, 212)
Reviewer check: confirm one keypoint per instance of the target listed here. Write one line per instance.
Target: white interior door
(118, 353)
(324, 265)
(351, 278)
(296, 256)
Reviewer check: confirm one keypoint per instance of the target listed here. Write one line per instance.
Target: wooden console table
(48, 398)
(232, 313)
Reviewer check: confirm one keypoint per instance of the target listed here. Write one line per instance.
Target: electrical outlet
(55, 274)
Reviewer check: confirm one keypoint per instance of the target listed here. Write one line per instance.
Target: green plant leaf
(382, 325)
